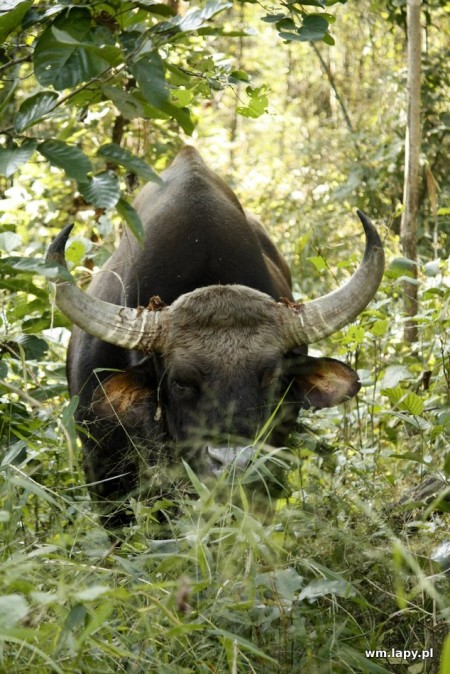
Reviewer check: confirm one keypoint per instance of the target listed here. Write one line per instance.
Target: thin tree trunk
(408, 227)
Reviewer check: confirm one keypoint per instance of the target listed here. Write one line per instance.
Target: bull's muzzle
(226, 458)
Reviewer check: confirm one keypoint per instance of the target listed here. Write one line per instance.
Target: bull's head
(224, 356)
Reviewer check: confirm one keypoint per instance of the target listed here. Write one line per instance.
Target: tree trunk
(408, 228)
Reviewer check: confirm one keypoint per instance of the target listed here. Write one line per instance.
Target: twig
(332, 82)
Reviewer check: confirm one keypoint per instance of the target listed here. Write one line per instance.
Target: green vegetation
(94, 95)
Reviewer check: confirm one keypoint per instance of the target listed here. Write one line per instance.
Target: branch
(332, 82)
(10, 64)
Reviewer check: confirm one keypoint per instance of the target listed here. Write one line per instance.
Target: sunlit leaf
(68, 157)
(125, 158)
(64, 64)
(319, 262)
(102, 190)
(14, 10)
(12, 158)
(9, 241)
(131, 217)
(323, 587)
(33, 109)
(149, 72)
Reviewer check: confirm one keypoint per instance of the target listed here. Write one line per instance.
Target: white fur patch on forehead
(224, 306)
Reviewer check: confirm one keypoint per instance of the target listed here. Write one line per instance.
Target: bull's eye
(182, 388)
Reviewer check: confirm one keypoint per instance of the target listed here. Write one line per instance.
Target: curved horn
(319, 318)
(123, 326)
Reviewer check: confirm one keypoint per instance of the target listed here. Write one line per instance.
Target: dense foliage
(357, 558)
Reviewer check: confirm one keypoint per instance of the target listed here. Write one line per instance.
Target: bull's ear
(126, 397)
(323, 382)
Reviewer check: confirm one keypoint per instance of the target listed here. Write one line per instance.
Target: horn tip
(55, 252)
(372, 236)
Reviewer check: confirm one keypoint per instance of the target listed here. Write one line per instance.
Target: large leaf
(102, 190)
(131, 217)
(150, 75)
(321, 587)
(314, 28)
(12, 158)
(407, 401)
(60, 57)
(125, 158)
(12, 19)
(98, 43)
(50, 270)
(197, 18)
(74, 162)
(33, 109)
(194, 19)
(128, 105)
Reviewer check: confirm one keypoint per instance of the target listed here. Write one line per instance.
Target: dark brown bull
(199, 372)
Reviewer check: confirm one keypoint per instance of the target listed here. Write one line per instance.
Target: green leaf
(102, 190)
(379, 328)
(9, 241)
(258, 103)
(125, 158)
(404, 400)
(314, 28)
(150, 75)
(286, 582)
(126, 103)
(38, 266)
(13, 608)
(196, 18)
(444, 665)
(181, 97)
(401, 267)
(237, 76)
(274, 18)
(33, 109)
(12, 19)
(131, 217)
(60, 57)
(74, 162)
(69, 411)
(322, 587)
(412, 404)
(328, 39)
(314, 3)
(33, 347)
(12, 158)
(76, 250)
(155, 7)
(102, 44)
(318, 261)
(393, 375)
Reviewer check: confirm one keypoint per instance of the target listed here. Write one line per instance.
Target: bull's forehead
(235, 325)
(223, 348)
(233, 307)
